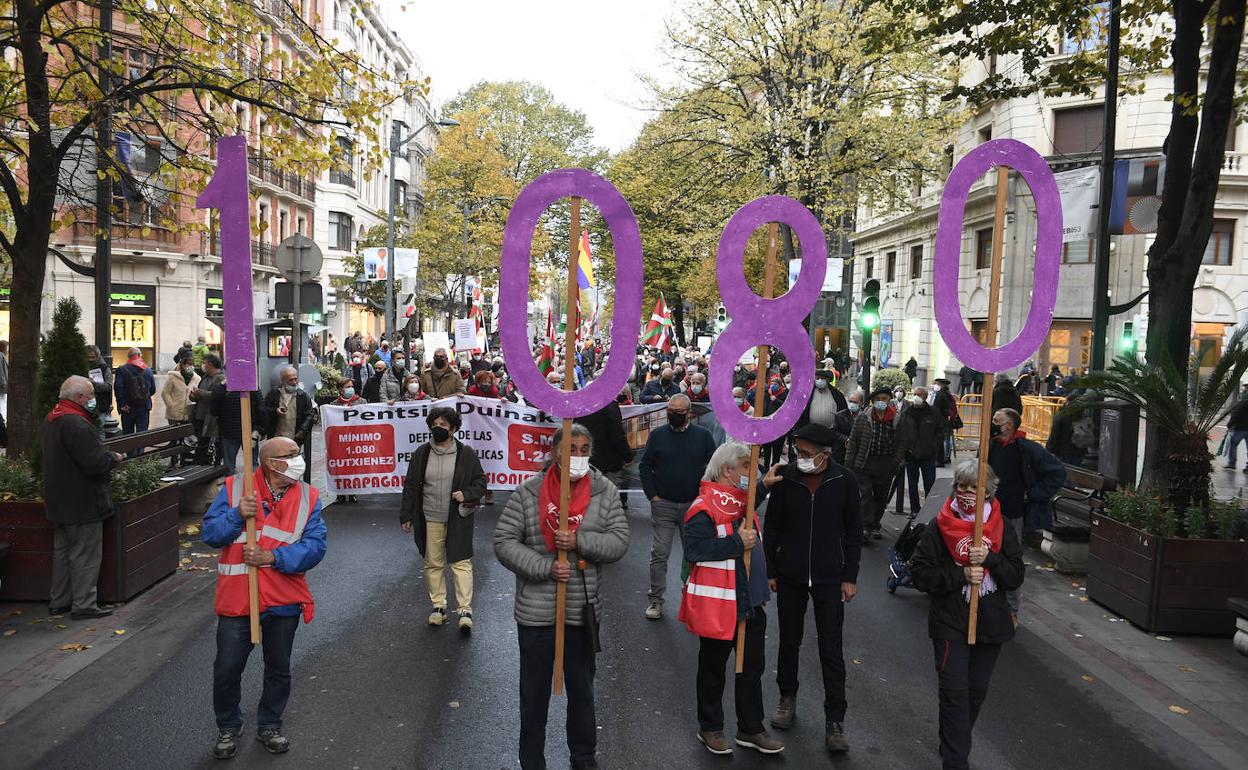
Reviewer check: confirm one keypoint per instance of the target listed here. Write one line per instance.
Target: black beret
(817, 434)
(882, 392)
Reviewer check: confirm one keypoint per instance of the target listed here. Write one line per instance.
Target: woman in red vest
(290, 540)
(719, 593)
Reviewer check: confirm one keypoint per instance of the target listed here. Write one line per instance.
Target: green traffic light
(869, 321)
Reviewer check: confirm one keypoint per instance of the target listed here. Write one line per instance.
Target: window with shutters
(1078, 130)
(916, 261)
(983, 248)
(891, 267)
(340, 229)
(1218, 250)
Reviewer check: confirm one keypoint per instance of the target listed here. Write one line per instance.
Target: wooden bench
(1239, 606)
(1066, 542)
(166, 442)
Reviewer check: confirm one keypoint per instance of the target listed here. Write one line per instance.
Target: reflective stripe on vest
(280, 535)
(708, 605)
(232, 569)
(711, 592)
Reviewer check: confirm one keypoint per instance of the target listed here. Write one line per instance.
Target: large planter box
(1166, 585)
(140, 547)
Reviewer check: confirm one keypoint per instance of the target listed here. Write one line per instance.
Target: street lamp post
(397, 144)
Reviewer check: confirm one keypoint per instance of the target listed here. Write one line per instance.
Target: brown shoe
(714, 741)
(761, 742)
(783, 718)
(834, 739)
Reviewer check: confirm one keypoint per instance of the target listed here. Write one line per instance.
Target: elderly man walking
(671, 471)
(289, 411)
(526, 540)
(290, 540)
(135, 385)
(77, 498)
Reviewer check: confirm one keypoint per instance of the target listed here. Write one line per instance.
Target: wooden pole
(253, 574)
(760, 402)
(985, 414)
(565, 446)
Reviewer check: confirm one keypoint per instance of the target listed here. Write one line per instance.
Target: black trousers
(829, 618)
(713, 656)
(963, 671)
(875, 481)
(537, 666)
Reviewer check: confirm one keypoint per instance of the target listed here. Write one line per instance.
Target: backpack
(908, 540)
(136, 386)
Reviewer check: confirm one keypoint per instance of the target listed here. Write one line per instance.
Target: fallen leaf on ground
(1083, 598)
(856, 662)
(18, 612)
(61, 625)
(79, 647)
(455, 704)
(187, 560)
(1187, 669)
(191, 529)
(119, 631)
(1087, 678)
(202, 555)
(1164, 639)
(10, 632)
(1179, 710)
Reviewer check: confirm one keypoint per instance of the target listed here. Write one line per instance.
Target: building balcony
(263, 170)
(263, 253)
(402, 171)
(125, 236)
(1235, 164)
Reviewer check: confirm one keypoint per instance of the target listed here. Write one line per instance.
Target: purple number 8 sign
(514, 289)
(758, 321)
(1035, 171)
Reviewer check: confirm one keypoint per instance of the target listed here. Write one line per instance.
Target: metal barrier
(1038, 412)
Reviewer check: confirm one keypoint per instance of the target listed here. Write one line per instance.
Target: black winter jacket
(1006, 396)
(76, 472)
(936, 574)
(814, 539)
(225, 407)
(611, 450)
(925, 432)
(305, 412)
(468, 478)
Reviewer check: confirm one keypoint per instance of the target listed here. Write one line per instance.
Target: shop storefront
(214, 315)
(133, 321)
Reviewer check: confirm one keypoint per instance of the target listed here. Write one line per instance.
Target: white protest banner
(367, 447)
(1080, 189)
(465, 334)
(433, 341)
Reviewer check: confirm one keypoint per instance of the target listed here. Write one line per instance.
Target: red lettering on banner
(356, 451)
(528, 447)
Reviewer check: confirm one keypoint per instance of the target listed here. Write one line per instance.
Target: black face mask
(439, 361)
(676, 420)
(995, 430)
(621, 398)
(440, 434)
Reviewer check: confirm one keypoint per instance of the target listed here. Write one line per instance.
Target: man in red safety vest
(290, 540)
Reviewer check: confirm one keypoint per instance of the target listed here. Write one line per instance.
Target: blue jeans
(277, 637)
(230, 447)
(1236, 437)
(913, 468)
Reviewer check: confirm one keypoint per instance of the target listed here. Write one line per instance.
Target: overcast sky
(587, 53)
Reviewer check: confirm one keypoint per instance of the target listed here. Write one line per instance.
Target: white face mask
(295, 467)
(578, 467)
(739, 400)
(806, 464)
(413, 388)
(916, 400)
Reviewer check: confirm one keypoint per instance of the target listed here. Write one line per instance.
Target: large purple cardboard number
(758, 321)
(227, 192)
(1034, 170)
(514, 289)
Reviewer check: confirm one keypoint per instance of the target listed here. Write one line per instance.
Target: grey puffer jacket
(601, 539)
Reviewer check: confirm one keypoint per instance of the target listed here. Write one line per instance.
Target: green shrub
(1196, 521)
(18, 480)
(62, 353)
(890, 378)
(137, 478)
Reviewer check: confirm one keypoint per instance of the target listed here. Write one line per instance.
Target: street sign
(311, 298)
(298, 258)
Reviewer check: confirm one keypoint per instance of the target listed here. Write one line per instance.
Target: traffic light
(721, 318)
(869, 317)
(1128, 338)
(331, 301)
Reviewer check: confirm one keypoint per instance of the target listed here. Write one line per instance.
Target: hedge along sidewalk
(34, 660)
(1195, 686)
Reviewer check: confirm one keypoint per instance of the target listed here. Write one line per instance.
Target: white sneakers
(654, 611)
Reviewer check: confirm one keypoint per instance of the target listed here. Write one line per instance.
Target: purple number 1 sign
(1035, 171)
(227, 193)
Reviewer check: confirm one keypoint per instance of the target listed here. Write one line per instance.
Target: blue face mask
(854, 406)
(349, 393)
(91, 406)
(880, 406)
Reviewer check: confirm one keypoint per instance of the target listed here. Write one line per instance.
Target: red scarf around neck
(1015, 436)
(548, 505)
(959, 533)
(66, 407)
(137, 362)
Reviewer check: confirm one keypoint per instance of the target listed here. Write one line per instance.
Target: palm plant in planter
(1182, 408)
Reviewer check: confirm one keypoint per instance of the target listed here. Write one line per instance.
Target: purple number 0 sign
(1034, 170)
(514, 289)
(227, 192)
(758, 321)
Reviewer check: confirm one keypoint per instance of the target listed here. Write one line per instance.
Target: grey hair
(1001, 378)
(75, 385)
(682, 397)
(556, 441)
(287, 368)
(967, 472)
(726, 456)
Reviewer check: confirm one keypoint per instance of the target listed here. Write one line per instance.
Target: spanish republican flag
(585, 264)
(658, 331)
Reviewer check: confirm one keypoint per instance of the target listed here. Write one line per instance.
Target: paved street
(376, 687)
